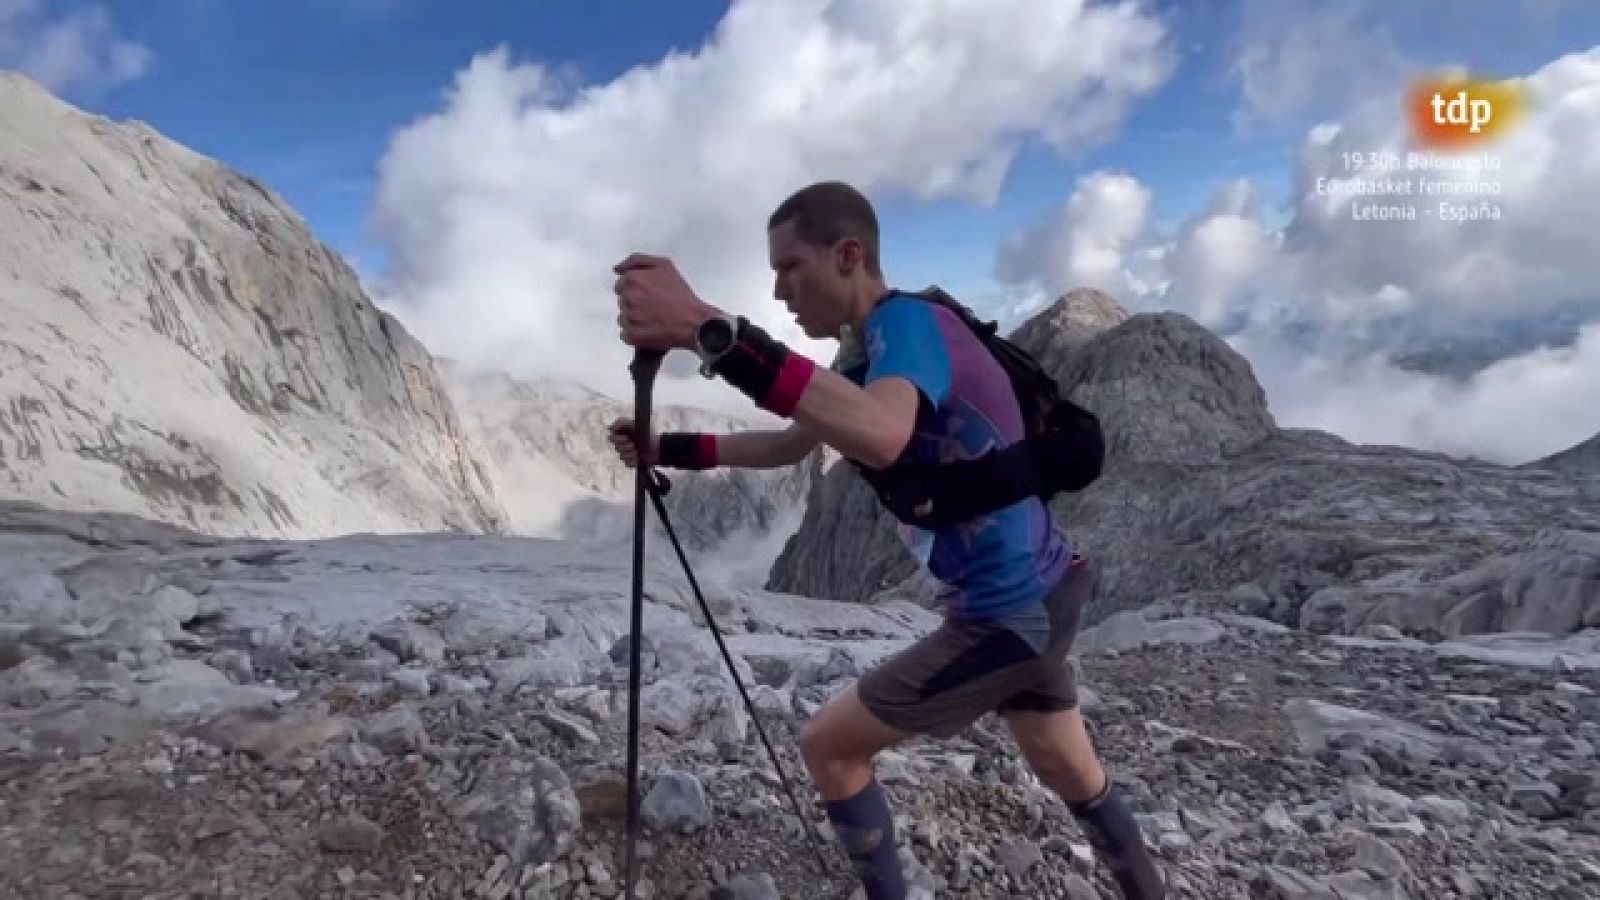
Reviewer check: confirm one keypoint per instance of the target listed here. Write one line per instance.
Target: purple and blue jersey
(999, 565)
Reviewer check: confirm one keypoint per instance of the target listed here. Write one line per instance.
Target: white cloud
(1293, 56)
(79, 51)
(1319, 303)
(1516, 410)
(1092, 240)
(504, 211)
(1539, 254)
(1290, 59)
(1362, 279)
(1217, 255)
(1103, 237)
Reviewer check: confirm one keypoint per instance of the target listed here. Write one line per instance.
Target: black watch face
(716, 336)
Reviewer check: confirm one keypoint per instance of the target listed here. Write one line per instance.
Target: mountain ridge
(271, 396)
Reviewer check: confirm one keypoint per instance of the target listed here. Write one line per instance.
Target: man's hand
(656, 308)
(624, 439)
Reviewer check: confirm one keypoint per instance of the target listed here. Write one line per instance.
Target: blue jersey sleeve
(903, 340)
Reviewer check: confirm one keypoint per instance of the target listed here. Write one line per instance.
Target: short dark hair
(828, 212)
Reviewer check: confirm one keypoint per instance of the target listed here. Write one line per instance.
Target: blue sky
(306, 95)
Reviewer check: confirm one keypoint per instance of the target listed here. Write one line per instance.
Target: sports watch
(712, 339)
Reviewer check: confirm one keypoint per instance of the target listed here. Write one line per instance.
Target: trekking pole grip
(646, 363)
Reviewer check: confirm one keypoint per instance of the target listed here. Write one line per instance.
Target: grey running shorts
(965, 669)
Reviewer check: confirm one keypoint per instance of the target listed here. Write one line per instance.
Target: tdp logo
(1455, 112)
(1462, 112)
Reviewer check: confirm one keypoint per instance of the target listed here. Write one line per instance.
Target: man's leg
(1058, 749)
(935, 687)
(1045, 722)
(838, 745)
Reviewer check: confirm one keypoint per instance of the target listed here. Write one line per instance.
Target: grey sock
(865, 827)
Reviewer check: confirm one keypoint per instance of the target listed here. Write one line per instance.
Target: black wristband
(687, 450)
(766, 370)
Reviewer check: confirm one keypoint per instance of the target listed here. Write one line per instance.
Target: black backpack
(1063, 448)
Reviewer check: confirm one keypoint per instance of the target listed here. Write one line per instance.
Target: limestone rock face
(177, 345)
(1167, 390)
(1388, 533)
(847, 547)
(1056, 333)
(545, 444)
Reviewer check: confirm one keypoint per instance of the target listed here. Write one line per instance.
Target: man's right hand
(623, 440)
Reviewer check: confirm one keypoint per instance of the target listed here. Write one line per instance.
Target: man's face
(808, 281)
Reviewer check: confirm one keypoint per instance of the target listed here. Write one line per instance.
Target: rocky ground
(445, 717)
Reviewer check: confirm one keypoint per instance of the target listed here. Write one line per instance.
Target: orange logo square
(1460, 112)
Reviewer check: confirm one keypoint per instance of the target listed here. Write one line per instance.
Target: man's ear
(848, 255)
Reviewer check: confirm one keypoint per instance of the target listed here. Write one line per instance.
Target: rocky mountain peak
(17, 88)
(180, 346)
(1067, 324)
(443, 714)
(1168, 390)
(1165, 387)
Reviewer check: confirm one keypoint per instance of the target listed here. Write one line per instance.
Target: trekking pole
(645, 365)
(658, 486)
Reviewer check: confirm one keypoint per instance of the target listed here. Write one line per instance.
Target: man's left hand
(656, 308)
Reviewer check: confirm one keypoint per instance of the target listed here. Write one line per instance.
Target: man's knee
(825, 744)
(1043, 755)
(814, 742)
(1056, 767)
(838, 744)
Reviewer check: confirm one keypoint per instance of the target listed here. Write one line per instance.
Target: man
(924, 388)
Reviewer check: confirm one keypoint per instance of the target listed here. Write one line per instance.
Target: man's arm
(907, 362)
(740, 449)
(765, 449)
(870, 425)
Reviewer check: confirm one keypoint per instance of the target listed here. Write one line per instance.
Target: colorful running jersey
(1000, 565)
